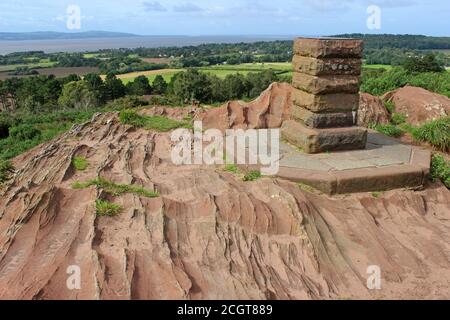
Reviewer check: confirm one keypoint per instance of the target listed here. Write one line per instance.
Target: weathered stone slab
(328, 47)
(327, 66)
(325, 84)
(378, 179)
(339, 102)
(322, 140)
(322, 120)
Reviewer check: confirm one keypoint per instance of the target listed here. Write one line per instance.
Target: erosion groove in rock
(209, 235)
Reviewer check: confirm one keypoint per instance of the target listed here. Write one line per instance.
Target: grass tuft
(232, 168)
(436, 133)
(389, 130)
(252, 176)
(159, 123)
(105, 208)
(440, 170)
(390, 106)
(80, 163)
(116, 189)
(398, 118)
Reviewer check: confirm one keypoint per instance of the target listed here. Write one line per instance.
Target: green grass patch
(232, 168)
(6, 170)
(252, 176)
(440, 169)
(116, 189)
(389, 130)
(390, 106)
(159, 123)
(436, 133)
(29, 130)
(398, 118)
(80, 163)
(105, 208)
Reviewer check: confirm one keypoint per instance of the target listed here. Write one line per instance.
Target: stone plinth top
(328, 47)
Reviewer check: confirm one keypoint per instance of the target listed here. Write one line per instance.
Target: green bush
(107, 209)
(128, 102)
(440, 169)
(6, 169)
(389, 130)
(436, 133)
(24, 132)
(381, 82)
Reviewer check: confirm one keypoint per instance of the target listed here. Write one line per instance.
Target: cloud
(340, 5)
(393, 3)
(154, 6)
(187, 7)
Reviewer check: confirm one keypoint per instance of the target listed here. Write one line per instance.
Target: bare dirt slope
(209, 235)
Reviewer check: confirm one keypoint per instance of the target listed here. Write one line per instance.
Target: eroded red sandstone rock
(268, 111)
(419, 105)
(209, 235)
(371, 111)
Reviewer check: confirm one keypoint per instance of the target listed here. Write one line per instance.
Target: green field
(377, 66)
(42, 64)
(220, 71)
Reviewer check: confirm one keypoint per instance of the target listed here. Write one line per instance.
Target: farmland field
(12, 67)
(59, 72)
(220, 70)
(151, 75)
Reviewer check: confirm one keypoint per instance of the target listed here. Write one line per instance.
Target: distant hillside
(407, 41)
(48, 35)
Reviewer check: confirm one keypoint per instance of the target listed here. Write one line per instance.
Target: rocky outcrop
(268, 111)
(418, 105)
(371, 111)
(209, 235)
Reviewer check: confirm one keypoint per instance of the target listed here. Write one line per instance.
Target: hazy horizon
(227, 17)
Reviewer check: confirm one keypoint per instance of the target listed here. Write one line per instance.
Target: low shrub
(24, 132)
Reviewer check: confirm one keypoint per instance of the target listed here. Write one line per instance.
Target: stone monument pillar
(326, 95)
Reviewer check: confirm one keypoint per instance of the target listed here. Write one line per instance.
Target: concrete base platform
(385, 164)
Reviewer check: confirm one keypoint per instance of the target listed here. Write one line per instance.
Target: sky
(229, 17)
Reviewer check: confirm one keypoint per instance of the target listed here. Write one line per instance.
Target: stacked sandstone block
(326, 95)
